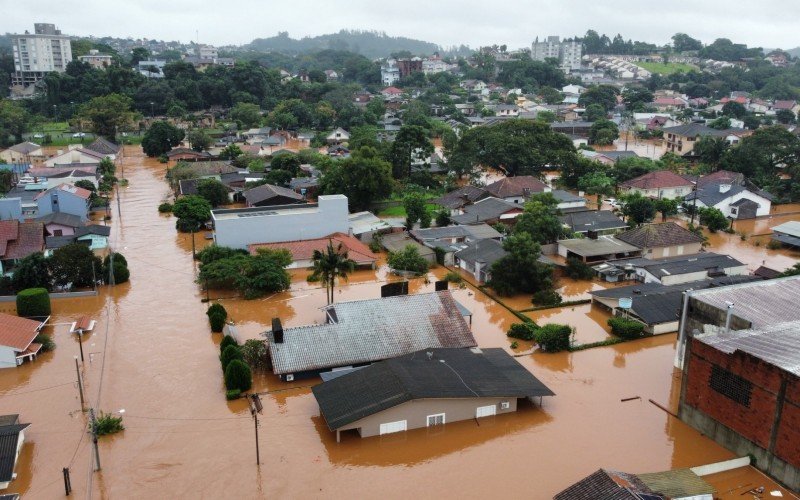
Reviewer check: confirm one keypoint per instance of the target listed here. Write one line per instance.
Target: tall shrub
(238, 376)
(33, 302)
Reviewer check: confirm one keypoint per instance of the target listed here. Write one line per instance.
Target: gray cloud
(769, 23)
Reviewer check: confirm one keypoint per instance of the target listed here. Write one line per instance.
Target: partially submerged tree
(330, 264)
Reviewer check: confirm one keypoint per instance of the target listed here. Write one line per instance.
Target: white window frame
(436, 415)
(384, 428)
(485, 411)
(505, 405)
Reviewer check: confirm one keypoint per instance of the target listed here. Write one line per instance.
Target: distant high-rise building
(568, 53)
(44, 51)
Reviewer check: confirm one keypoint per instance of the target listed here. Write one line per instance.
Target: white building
(390, 73)
(239, 227)
(96, 60)
(567, 52)
(735, 201)
(39, 53)
(152, 68)
(207, 52)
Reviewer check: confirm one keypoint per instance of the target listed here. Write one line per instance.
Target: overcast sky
(766, 23)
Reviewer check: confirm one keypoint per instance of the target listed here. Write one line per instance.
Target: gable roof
(592, 220)
(187, 151)
(266, 192)
(71, 170)
(664, 234)
(364, 331)
(432, 374)
(93, 229)
(61, 218)
(9, 442)
(720, 177)
(711, 194)
(20, 239)
(485, 209)
(67, 188)
(104, 146)
(25, 148)
(475, 231)
(523, 185)
(16, 332)
(304, 249)
(484, 251)
(461, 197)
(678, 483)
(694, 130)
(657, 180)
(606, 485)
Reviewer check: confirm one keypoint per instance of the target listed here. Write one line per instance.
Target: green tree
(520, 270)
(192, 211)
(667, 207)
(364, 177)
(199, 140)
(734, 109)
(74, 265)
(252, 275)
(637, 98)
(160, 138)
(330, 264)
(15, 121)
(785, 116)
(246, 115)
(289, 162)
(638, 209)
(721, 123)
(31, 272)
(711, 150)
(682, 42)
(713, 219)
(792, 271)
(33, 302)
(411, 146)
(550, 95)
(603, 132)
(604, 95)
(414, 204)
(254, 353)
(540, 219)
(443, 217)
(107, 114)
(230, 353)
(139, 54)
(238, 376)
(214, 191)
(230, 152)
(408, 260)
(595, 112)
(597, 183)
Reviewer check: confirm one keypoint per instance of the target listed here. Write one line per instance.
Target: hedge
(626, 328)
(233, 394)
(217, 308)
(238, 376)
(33, 302)
(553, 337)
(522, 331)
(217, 321)
(226, 341)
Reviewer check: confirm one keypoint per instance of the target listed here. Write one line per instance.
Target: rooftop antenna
(728, 316)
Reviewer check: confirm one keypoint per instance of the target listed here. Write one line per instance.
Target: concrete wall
(416, 412)
(658, 253)
(328, 217)
(677, 279)
(8, 357)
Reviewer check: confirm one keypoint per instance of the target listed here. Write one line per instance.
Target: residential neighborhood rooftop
(523, 185)
(485, 210)
(604, 245)
(659, 179)
(762, 303)
(426, 374)
(364, 331)
(304, 250)
(664, 234)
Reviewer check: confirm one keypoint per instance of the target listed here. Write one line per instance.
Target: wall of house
(669, 192)
(57, 181)
(416, 412)
(11, 208)
(759, 429)
(329, 217)
(677, 279)
(672, 251)
(71, 157)
(95, 241)
(67, 203)
(8, 357)
(764, 205)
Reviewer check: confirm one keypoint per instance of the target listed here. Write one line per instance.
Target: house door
(485, 411)
(391, 427)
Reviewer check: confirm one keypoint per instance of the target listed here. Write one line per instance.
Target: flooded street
(152, 354)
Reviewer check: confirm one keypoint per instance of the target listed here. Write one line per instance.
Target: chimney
(724, 188)
(277, 330)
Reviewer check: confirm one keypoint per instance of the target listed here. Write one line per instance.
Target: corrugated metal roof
(677, 483)
(762, 303)
(372, 330)
(777, 344)
(9, 437)
(792, 228)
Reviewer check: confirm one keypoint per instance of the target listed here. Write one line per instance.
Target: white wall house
(74, 156)
(732, 200)
(239, 227)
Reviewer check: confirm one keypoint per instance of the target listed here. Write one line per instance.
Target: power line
(35, 390)
(180, 419)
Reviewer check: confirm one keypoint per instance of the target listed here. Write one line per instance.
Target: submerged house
(365, 331)
(12, 437)
(662, 240)
(303, 251)
(17, 337)
(426, 388)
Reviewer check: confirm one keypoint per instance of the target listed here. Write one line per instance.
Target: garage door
(485, 411)
(391, 427)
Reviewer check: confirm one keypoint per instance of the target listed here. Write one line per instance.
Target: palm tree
(329, 265)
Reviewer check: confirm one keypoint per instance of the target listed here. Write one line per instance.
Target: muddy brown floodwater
(152, 355)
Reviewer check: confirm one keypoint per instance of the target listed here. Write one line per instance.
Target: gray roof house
(268, 195)
(488, 210)
(787, 233)
(12, 437)
(426, 388)
(596, 221)
(735, 201)
(365, 331)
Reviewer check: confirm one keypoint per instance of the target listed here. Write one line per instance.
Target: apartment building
(38, 53)
(568, 52)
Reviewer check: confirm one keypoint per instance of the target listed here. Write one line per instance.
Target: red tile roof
(657, 180)
(391, 90)
(83, 323)
(16, 332)
(9, 229)
(784, 104)
(665, 234)
(304, 249)
(29, 239)
(524, 185)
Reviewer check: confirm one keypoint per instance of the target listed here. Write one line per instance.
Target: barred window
(731, 386)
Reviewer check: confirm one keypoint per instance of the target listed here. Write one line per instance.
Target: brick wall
(787, 442)
(753, 422)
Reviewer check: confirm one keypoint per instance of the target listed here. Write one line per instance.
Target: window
(485, 411)
(731, 385)
(58, 232)
(391, 427)
(505, 405)
(437, 419)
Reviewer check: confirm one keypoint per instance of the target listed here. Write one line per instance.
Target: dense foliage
(408, 260)
(33, 302)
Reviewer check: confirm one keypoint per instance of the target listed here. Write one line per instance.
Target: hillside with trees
(371, 44)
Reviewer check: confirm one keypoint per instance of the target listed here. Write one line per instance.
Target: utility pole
(111, 268)
(80, 379)
(694, 201)
(255, 409)
(119, 209)
(67, 482)
(94, 439)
